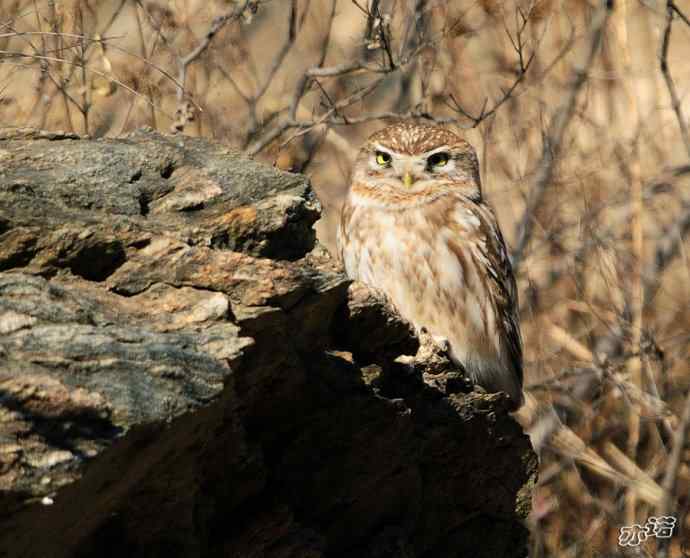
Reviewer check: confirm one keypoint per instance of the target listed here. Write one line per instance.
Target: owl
(414, 226)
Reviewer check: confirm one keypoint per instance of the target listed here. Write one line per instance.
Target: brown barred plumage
(415, 226)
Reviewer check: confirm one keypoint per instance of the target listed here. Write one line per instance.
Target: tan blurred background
(605, 275)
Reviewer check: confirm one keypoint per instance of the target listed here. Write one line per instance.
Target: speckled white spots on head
(411, 138)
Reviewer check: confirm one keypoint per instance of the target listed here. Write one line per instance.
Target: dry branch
(524, 62)
(668, 246)
(671, 9)
(553, 141)
(392, 64)
(668, 504)
(184, 111)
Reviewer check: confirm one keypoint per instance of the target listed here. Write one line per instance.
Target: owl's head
(416, 158)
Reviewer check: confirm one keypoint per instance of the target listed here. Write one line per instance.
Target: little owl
(415, 227)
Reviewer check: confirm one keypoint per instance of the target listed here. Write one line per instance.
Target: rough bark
(185, 372)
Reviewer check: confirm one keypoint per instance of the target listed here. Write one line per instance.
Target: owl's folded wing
(480, 228)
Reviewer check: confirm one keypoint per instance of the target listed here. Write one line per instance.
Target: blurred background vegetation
(579, 113)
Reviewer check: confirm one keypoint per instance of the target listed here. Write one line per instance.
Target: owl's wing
(489, 248)
(507, 302)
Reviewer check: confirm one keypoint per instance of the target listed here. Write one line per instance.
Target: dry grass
(581, 130)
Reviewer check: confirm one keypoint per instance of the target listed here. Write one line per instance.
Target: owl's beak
(408, 179)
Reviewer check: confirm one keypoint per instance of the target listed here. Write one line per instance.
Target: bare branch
(665, 70)
(78, 65)
(333, 118)
(667, 248)
(678, 11)
(282, 53)
(183, 62)
(336, 71)
(217, 24)
(507, 94)
(371, 16)
(668, 504)
(523, 63)
(553, 141)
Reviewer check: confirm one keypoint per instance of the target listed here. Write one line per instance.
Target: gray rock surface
(185, 372)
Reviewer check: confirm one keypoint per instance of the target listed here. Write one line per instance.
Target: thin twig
(634, 292)
(666, 72)
(668, 504)
(183, 62)
(666, 250)
(337, 71)
(339, 120)
(523, 63)
(282, 53)
(678, 11)
(252, 102)
(553, 142)
(79, 65)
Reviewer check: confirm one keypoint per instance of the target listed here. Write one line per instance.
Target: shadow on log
(185, 372)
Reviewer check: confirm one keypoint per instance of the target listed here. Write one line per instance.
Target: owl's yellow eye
(438, 160)
(383, 158)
